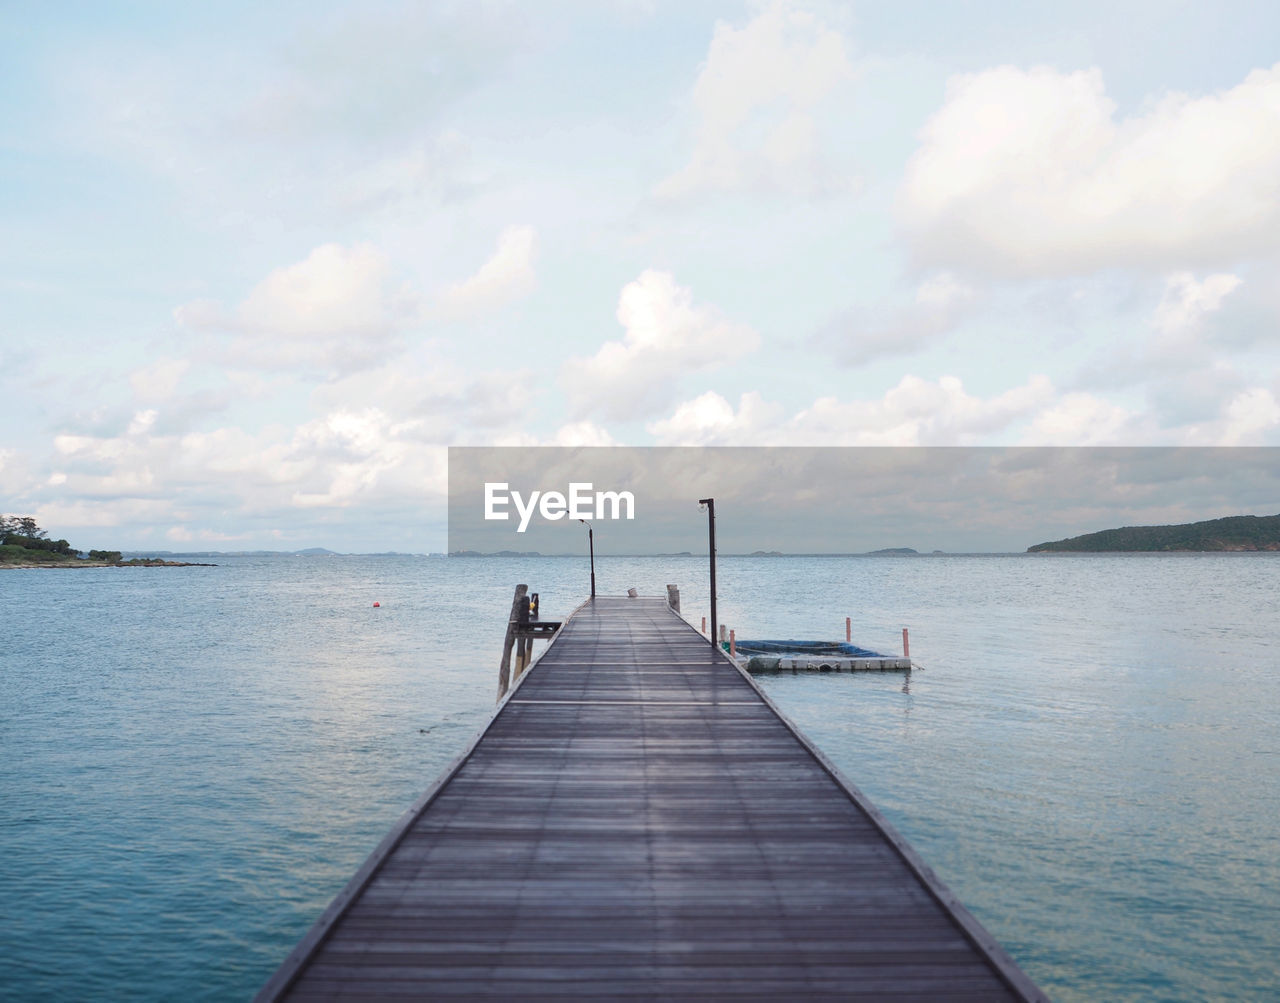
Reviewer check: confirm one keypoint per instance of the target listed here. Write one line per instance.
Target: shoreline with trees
(23, 544)
(1232, 533)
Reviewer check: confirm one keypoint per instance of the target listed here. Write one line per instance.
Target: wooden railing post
(504, 669)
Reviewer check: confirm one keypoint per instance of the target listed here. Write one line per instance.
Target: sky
(262, 263)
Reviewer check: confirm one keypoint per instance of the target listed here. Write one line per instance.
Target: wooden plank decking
(638, 821)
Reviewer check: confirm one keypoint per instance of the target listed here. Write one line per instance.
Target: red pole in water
(906, 644)
(733, 645)
(704, 624)
(848, 630)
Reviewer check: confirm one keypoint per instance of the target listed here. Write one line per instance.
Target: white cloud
(918, 412)
(506, 276)
(941, 302)
(666, 335)
(336, 290)
(185, 534)
(343, 110)
(143, 421)
(102, 512)
(426, 172)
(1251, 417)
(710, 420)
(447, 401)
(915, 412)
(158, 381)
(1029, 172)
(582, 433)
(15, 478)
(1081, 419)
(1182, 359)
(334, 461)
(1186, 302)
(756, 99)
(351, 452)
(336, 307)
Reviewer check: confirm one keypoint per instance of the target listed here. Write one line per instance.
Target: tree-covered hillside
(1237, 532)
(23, 544)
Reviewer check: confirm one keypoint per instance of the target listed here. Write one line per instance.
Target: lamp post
(591, 543)
(710, 505)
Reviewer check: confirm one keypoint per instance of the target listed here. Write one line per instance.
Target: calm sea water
(194, 760)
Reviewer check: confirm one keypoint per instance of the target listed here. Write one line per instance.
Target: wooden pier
(639, 822)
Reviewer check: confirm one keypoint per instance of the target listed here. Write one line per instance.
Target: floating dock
(756, 664)
(639, 821)
(813, 656)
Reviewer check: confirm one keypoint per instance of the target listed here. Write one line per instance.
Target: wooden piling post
(848, 630)
(704, 624)
(523, 644)
(906, 644)
(723, 633)
(673, 597)
(733, 645)
(504, 669)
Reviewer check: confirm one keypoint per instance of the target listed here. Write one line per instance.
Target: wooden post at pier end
(504, 669)
(848, 630)
(673, 597)
(524, 643)
(906, 644)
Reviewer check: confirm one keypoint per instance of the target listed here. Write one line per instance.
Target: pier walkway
(639, 822)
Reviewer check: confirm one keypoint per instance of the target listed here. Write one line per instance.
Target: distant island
(1233, 533)
(498, 553)
(309, 552)
(23, 544)
(890, 551)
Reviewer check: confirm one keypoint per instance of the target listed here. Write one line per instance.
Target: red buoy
(377, 604)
